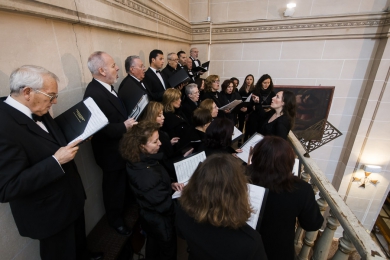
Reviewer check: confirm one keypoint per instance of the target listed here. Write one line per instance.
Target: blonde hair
(152, 111)
(207, 104)
(208, 83)
(170, 96)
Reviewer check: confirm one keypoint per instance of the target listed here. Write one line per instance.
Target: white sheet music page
(236, 133)
(185, 168)
(97, 121)
(231, 105)
(296, 167)
(256, 197)
(248, 99)
(247, 146)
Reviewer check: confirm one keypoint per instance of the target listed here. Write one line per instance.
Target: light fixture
(290, 9)
(368, 169)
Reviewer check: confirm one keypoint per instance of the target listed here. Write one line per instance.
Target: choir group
(137, 157)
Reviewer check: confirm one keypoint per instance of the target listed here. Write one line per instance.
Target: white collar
(19, 106)
(107, 86)
(135, 78)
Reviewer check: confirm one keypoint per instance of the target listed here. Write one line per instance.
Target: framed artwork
(313, 105)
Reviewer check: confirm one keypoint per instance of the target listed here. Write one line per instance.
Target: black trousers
(160, 250)
(114, 187)
(68, 244)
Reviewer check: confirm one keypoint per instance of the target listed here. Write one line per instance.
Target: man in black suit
(190, 102)
(182, 56)
(154, 79)
(194, 52)
(38, 176)
(133, 83)
(172, 65)
(105, 143)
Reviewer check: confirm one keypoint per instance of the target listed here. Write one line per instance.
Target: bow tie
(157, 71)
(36, 118)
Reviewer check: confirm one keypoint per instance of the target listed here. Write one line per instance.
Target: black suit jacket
(128, 87)
(44, 199)
(194, 64)
(154, 85)
(105, 143)
(188, 107)
(168, 71)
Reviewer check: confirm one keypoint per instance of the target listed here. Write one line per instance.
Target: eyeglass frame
(47, 95)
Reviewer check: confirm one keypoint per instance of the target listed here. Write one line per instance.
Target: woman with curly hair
(213, 211)
(152, 187)
(212, 88)
(289, 197)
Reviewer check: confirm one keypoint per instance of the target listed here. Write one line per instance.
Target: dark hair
(201, 116)
(217, 193)
(272, 164)
(130, 145)
(226, 84)
(244, 83)
(130, 62)
(180, 52)
(234, 85)
(260, 81)
(290, 106)
(219, 133)
(153, 55)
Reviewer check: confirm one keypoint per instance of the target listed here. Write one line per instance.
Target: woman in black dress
(278, 121)
(152, 187)
(230, 96)
(213, 211)
(245, 91)
(212, 87)
(289, 197)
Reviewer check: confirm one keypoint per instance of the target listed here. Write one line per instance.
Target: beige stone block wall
(250, 10)
(63, 48)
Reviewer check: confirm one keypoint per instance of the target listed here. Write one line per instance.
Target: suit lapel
(156, 79)
(116, 102)
(54, 130)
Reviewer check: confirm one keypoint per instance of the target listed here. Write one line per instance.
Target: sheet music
(248, 99)
(185, 168)
(97, 121)
(231, 105)
(256, 197)
(236, 133)
(247, 146)
(296, 167)
(142, 103)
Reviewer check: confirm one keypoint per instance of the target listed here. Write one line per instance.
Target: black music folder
(136, 103)
(82, 120)
(204, 67)
(179, 77)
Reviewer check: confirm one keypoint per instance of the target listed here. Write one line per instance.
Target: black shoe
(123, 230)
(96, 255)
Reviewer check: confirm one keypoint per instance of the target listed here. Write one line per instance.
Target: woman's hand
(227, 111)
(244, 109)
(237, 151)
(255, 98)
(174, 140)
(177, 186)
(188, 152)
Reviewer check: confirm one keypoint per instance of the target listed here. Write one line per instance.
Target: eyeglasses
(142, 67)
(195, 93)
(52, 97)
(216, 81)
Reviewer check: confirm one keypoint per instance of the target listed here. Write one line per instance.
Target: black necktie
(36, 118)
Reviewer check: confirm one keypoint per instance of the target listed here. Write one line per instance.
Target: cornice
(151, 13)
(353, 26)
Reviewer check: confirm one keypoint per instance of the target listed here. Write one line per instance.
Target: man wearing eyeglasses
(133, 83)
(171, 67)
(38, 176)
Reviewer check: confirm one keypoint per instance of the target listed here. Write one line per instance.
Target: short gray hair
(28, 76)
(170, 55)
(95, 61)
(129, 62)
(190, 87)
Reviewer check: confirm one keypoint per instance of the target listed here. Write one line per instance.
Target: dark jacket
(152, 187)
(168, 71)
(280, 213)
(154, 85)
(207, 242)
(188, 106)
(44, 198)
(105, 143)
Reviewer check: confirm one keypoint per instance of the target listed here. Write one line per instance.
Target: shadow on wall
(4, 84)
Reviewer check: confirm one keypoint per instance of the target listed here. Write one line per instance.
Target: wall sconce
(368, 169)
(290, 9)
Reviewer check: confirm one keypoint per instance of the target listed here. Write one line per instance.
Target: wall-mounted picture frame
(313, 105)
